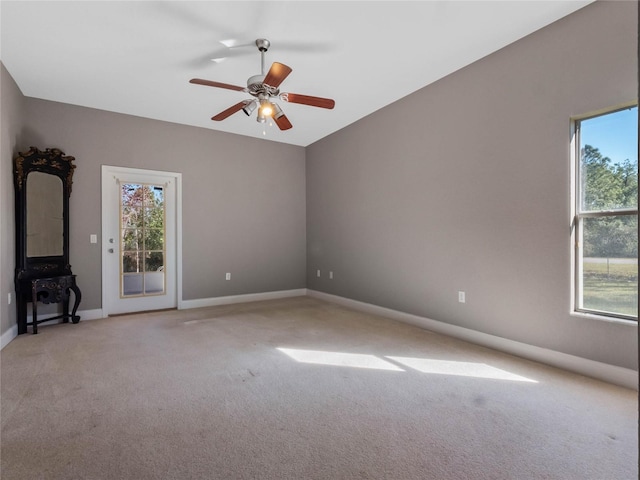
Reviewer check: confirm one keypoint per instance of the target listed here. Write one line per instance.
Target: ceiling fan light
(249, 107)
(277, 111)
(261, 118)
(266, 108)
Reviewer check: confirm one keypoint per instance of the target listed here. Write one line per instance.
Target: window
(606, 214)
(142, 209)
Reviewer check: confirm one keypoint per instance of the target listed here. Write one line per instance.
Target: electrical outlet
(461, 297)
(227, 276)
(318, 274)
(330, 275)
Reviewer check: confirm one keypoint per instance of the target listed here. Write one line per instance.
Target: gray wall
(11, 121)
(243, 199)
(464, 185)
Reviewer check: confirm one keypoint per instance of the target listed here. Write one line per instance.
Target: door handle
(110, 250)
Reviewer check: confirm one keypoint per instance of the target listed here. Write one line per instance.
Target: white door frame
(108, 174)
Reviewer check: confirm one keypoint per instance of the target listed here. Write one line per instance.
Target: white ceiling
(137, 57)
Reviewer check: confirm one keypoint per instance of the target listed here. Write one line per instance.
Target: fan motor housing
(255, 86)
(263, 44)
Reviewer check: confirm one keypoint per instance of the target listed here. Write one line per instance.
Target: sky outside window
(615, 135)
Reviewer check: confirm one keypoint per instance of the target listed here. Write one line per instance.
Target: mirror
(45, 222)
(42, 181)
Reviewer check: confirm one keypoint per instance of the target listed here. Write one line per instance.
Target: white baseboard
(250, 297)
(9, 335)
(94, 314)
(609, 373)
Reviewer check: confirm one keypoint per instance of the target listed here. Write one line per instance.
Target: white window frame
(578, 216)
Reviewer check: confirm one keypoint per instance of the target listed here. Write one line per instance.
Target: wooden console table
(54, 290)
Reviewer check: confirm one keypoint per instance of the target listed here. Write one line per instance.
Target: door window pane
(132, 284)
(131, 217)
(153, 283)
(154, 262)
(131, 262)
(131, 239)
(130, 194)
(142, 239)
(154, 217)
(154, 239)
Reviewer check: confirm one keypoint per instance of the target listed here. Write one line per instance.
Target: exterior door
(139, 240)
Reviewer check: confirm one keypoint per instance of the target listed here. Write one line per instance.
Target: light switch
(93, 238)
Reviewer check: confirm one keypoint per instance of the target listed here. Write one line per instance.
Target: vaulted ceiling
(137, 57)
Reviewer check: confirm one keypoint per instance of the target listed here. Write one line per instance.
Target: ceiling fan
(264, 88)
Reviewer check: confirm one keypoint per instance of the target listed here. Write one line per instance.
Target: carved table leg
(78, 296)
(22, 312)
(34, 314)
(65, 308)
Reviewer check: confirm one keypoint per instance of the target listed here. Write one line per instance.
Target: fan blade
(223, 54)
(210, 83)
(243, 49)
(277, 73)
(229, 111)
(283, 122)
(308, 100)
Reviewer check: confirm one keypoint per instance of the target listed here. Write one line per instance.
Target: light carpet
(297, 389)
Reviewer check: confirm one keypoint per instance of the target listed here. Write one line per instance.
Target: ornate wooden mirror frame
(40, 252)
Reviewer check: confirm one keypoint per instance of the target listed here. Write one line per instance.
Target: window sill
(605, 318)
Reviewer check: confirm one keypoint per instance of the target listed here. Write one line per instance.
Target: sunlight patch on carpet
(339, 359)
(465, 369)
(424, 365)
